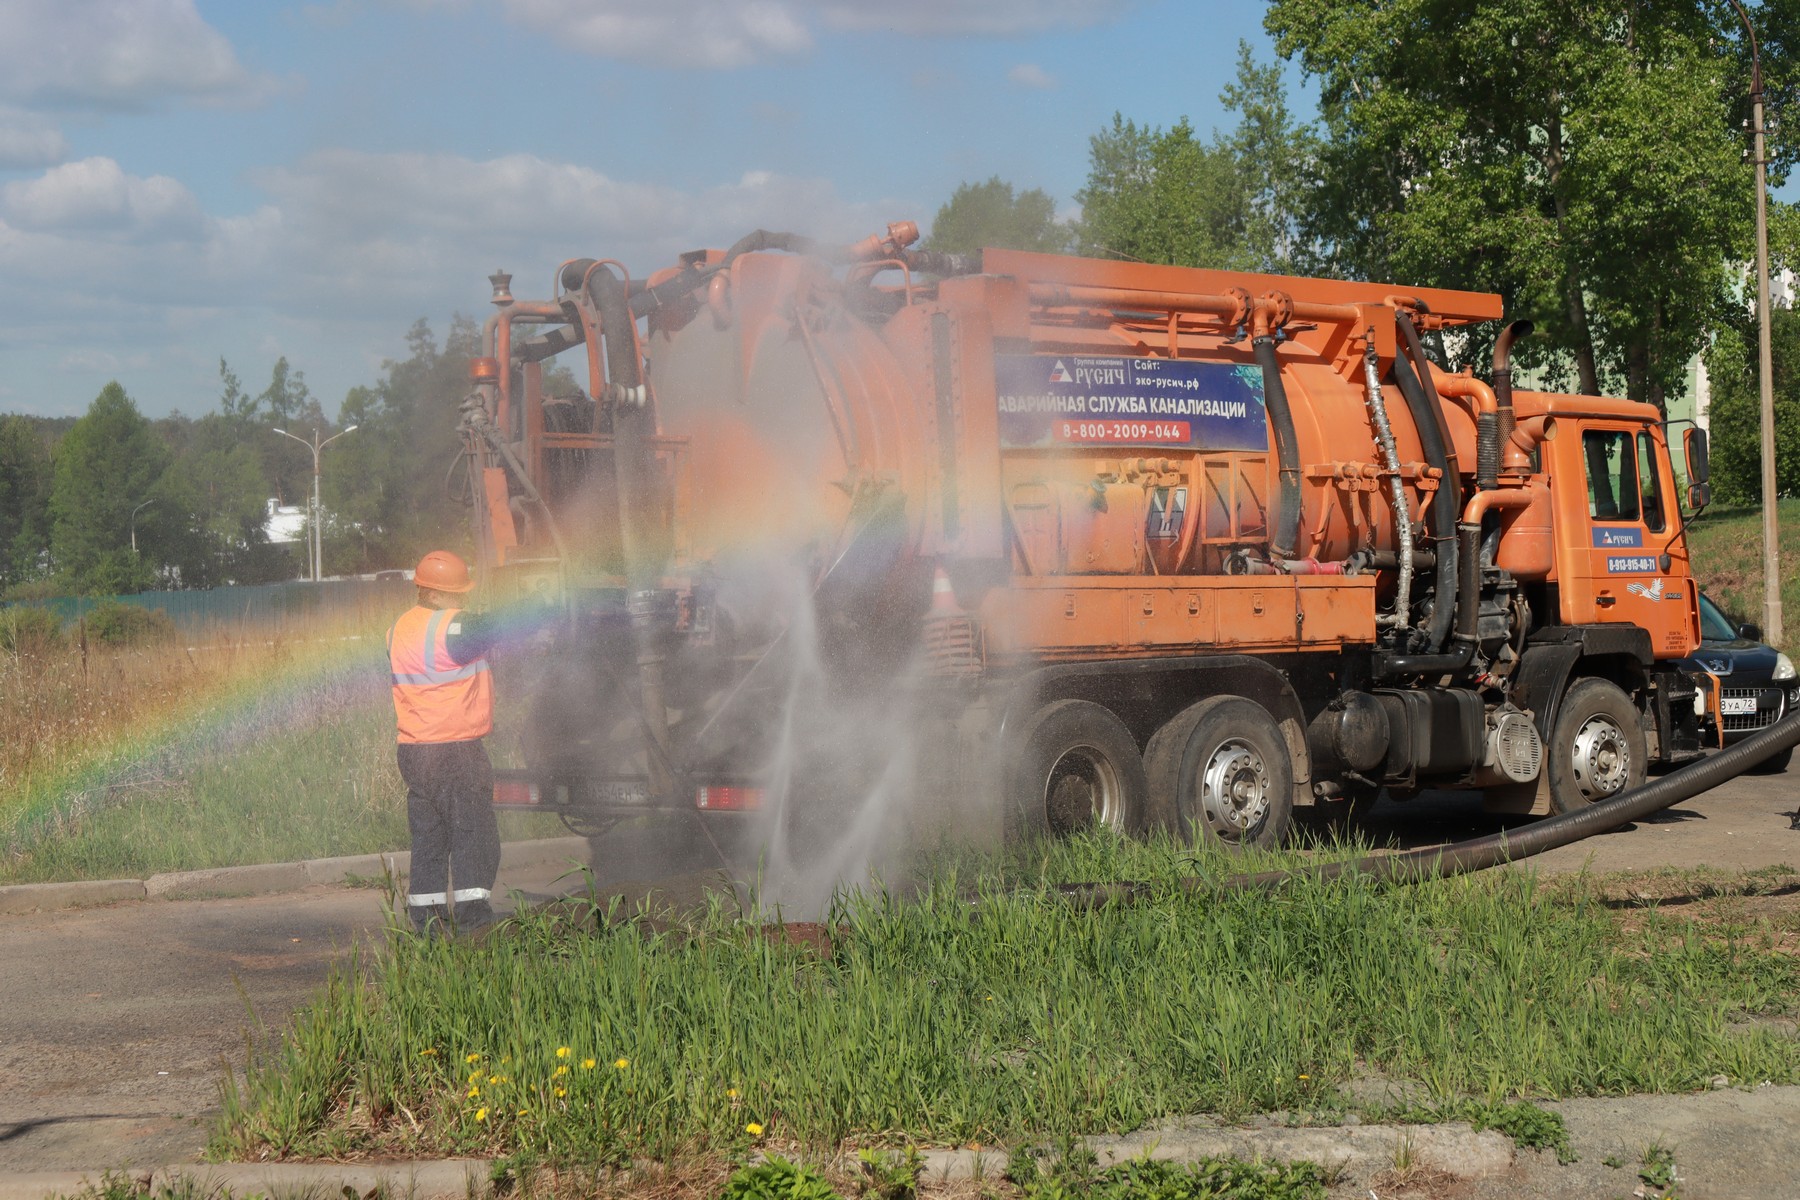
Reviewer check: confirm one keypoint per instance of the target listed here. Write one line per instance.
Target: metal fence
(268, 604)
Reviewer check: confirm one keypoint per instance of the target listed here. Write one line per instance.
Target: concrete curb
(33, 897)
(458, 1178)
(263, 879)
(1355, 1149)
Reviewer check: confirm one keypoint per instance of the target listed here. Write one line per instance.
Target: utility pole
(1771, 545)
(315, 542)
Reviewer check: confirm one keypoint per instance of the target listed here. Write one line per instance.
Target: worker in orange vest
(444, 704)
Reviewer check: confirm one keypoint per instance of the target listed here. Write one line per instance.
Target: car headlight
(1784, 667)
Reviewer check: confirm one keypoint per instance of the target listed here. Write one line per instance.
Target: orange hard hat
(443, 571)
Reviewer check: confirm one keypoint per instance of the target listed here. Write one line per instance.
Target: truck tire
(1597, 747)
(1220, 771)
(1077, 766)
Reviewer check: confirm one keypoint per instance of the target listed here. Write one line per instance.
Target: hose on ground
(1493, 850)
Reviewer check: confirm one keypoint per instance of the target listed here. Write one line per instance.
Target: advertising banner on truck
(1063, 399)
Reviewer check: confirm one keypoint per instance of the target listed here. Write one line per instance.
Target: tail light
(515, 793)
(728, 799)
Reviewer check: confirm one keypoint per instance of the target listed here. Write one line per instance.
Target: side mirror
(1693, 442)
(1699, 495)
(1749, 632)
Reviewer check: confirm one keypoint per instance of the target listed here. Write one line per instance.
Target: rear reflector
(515, 793)
(728, 799)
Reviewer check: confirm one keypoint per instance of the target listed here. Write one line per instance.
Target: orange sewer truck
(1142, 545)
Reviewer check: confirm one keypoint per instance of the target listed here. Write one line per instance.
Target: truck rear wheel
(1078, 766)
(1220, 771)
(1597, 748)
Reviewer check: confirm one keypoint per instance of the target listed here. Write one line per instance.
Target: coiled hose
(1497, 849)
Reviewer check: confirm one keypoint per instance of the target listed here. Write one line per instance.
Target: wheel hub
(1234, 789)
(1083, 788)
(1601, 759)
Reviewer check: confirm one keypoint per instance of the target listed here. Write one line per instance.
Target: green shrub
(29, 630)
(116, 624)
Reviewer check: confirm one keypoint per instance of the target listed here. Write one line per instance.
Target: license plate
(1737, 706)
(621, 791)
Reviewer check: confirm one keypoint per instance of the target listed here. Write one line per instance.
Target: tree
(990, 214)
(1165, 196)
(24, 500)
(216, 491)
(287, 404)
(1583, 160)
(1162, 197)
(233, 400)
(386, 490)
(1735, 417)
(106, 466)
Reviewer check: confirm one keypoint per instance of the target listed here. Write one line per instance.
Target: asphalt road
(116, 1023)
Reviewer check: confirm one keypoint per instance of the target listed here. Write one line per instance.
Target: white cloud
(94, 195)
(346, 250)
(685, 33)
(734, 33)
(394, 226)
(1030, 75)
(28, 140)
(115, 53)
(999, 18)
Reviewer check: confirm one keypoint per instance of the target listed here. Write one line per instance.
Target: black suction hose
(1497, 849)
(1284, 532)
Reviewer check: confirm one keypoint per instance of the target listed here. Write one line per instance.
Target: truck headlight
(1784, 667)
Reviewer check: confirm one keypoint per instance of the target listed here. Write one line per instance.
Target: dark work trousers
(450, 810)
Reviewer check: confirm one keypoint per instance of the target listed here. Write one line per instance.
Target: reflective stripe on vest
(436, 699)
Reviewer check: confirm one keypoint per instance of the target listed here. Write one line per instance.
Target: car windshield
(1715, 626)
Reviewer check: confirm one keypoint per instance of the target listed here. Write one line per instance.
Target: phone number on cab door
(1122, 431)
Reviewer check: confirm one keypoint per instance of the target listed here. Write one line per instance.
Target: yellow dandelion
(753, 1129)
(587, 1064)
(1306, 1077)
(560, 1071)
(562, 1052)
(524, 1112)
(561, 1092)
(731, 1093)
(428, 1052)
(492, 1079)
(472, 1092)
(472, 1058)
(481, 1114)
(622, 1063)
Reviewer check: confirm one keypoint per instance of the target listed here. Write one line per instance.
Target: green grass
(1020, 1018)
(281, 782)
(1727, 556)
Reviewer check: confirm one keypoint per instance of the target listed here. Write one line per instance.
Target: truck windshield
(1612, 475)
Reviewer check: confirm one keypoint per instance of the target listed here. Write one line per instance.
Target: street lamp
(134, 513)
(1771, 548)
(316, 546)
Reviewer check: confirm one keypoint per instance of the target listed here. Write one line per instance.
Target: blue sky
(182, 180)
